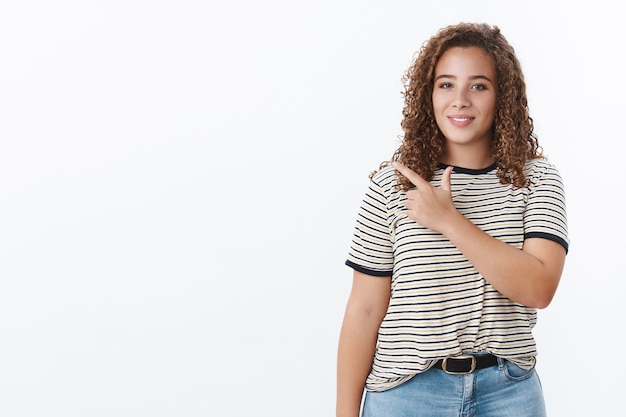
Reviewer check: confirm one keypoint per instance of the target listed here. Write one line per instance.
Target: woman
(458, 242)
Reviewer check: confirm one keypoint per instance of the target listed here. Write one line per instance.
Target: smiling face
(464, 99)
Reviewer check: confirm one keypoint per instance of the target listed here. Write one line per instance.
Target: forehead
(470, 60)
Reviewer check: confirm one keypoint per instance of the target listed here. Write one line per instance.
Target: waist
(466, 364)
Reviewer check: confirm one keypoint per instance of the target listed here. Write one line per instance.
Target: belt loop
(500, 363)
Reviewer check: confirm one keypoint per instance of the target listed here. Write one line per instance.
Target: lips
(460, 121)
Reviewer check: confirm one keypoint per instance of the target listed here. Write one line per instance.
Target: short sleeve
(545, 216)
(371, 250)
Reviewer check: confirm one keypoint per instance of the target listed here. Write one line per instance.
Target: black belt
(465, 364)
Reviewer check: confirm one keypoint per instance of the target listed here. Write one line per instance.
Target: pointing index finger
(412, 176)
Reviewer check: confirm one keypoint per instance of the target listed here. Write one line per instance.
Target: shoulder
(542, 169)
(385, 189)
(540, 165)
(386, 178)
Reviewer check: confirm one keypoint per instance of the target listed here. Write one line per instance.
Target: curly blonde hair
(513, 140)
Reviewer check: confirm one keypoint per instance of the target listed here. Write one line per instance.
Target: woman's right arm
(367, 306)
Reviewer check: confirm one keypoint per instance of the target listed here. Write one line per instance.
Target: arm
(529, 276)
(367, 306)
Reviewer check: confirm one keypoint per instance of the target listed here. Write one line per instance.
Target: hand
(427, 205)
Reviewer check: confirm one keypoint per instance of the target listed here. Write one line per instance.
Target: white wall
(179, 182)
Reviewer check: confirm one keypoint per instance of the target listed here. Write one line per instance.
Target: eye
(479, 87)
(445, 85)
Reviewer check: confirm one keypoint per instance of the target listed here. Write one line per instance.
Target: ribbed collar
(461, 170)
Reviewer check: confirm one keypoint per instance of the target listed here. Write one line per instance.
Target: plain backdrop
(179, 181)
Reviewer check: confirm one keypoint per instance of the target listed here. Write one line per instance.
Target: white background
(179, 181)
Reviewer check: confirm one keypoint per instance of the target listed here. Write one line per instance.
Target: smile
(460, 121)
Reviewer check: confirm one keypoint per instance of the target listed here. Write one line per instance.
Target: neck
(468, 158)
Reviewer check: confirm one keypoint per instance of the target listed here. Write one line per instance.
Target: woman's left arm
(529, 276)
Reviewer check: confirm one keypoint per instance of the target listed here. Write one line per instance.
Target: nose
(461, 99)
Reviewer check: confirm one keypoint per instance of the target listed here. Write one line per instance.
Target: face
(464, 97)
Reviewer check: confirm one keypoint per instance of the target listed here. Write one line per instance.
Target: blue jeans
(499, 391)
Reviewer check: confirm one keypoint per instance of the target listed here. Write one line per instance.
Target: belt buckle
(444, 364)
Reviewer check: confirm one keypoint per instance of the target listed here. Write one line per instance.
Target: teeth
(461, 119)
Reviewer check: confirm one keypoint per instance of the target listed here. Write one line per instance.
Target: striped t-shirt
(440, 304)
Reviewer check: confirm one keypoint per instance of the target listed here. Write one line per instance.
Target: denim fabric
(499, 391)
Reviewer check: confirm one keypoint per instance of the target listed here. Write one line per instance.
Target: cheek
(492, 105)
(435, 98)
(438, 109)
(489, 108)
(493, 113)
(438, 105)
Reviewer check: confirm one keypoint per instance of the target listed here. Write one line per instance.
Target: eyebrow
(473, 77)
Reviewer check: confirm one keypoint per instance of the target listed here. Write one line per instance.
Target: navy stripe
(548, 236)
